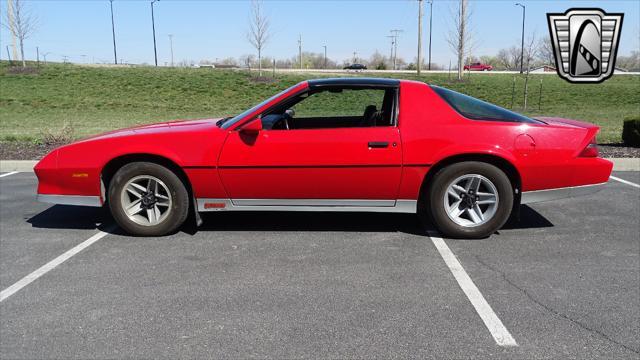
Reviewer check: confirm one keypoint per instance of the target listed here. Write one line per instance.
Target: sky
(216, 29)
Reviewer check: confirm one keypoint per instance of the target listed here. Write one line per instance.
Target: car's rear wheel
(470, 199)
(147, 199)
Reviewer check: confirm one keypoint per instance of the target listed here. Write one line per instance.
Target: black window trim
(394, 111)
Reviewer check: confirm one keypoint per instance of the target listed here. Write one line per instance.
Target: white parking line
(500, 333)
(9, 173)
(50, 266)
(624, 181)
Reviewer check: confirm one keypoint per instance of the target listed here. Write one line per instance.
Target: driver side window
(335, 108)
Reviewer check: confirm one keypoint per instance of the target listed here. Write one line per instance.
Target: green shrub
(631, 131)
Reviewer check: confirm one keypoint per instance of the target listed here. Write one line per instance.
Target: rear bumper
(529, 197)
(80, 200)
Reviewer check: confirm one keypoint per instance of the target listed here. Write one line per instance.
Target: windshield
(475, 109)
(228, 123)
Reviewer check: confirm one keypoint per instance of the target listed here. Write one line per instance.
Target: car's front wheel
(147, 199)
(470, 199)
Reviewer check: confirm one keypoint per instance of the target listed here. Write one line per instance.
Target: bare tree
(258, 34)
(459, 37)
(21, 23)
(545, 51)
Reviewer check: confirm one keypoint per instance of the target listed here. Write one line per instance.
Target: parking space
(563, 281)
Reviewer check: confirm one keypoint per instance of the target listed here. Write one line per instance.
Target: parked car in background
(355, 67)
(347, 144)
(478, 67)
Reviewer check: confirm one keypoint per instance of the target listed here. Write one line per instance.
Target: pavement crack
(552, 310)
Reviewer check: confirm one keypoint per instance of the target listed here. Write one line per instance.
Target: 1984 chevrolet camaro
(352, 144)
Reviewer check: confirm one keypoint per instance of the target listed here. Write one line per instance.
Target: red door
(347, 164)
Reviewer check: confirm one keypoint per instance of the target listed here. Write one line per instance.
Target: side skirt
(329, 205)
(529, 197)
(80, 200)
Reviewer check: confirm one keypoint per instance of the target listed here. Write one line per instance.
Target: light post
(522, 43)
(419, 36)
(325, 55)
(171, 47)
(153, 26)
(113, 33)
(430, 29)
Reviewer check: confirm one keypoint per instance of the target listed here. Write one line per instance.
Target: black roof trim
(354, 81)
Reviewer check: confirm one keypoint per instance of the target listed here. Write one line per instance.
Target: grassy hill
(76, 101)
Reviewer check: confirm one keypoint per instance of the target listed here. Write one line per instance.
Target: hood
(163, 127)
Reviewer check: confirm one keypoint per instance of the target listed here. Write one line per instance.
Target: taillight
(591, 150)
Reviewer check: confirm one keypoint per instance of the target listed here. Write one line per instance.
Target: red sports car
(354, 144)
(478, 67)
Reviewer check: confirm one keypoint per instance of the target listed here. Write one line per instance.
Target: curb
(619, 164)
(17, 165)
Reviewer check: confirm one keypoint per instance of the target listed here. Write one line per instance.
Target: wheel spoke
(459, 189)
(139, 187)
(151, 215)
(486, 198)
(156, 211)
(478, 211)
(474, 216)
(453, 193)
(454, 210)
(134, 208)
(162, 203)
(133, 190)
(150, 186)
(475, 183)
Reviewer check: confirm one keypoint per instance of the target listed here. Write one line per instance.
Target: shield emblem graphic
(585, 42)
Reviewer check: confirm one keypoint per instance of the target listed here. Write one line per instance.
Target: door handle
(378, 144)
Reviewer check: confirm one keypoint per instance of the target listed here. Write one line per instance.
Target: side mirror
(252, 127)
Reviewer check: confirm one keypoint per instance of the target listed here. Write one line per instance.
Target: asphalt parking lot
(563, 282)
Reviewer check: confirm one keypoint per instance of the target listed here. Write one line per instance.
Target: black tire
(438, 188)
(178, 210)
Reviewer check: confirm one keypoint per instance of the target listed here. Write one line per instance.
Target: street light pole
(153, 26)
(522, 43)
(325, 55)
(113, 33)
(430, 29)
(419, 36)
(171, 47)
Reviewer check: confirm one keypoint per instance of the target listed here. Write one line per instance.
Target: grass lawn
(80, 100)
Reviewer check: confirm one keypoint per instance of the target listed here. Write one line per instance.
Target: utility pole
(38, 55)
(171, 46)
(325, 55)
(419, 36)
(430, 29)
(522, 43)
(355, 57)
(113, 34)
(395, 46)
(391, 52)
(153, 26)
(300, 49)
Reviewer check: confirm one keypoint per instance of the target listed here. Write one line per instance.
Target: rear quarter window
(476, 109)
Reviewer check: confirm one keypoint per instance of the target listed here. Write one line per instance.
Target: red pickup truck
(478, 67)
